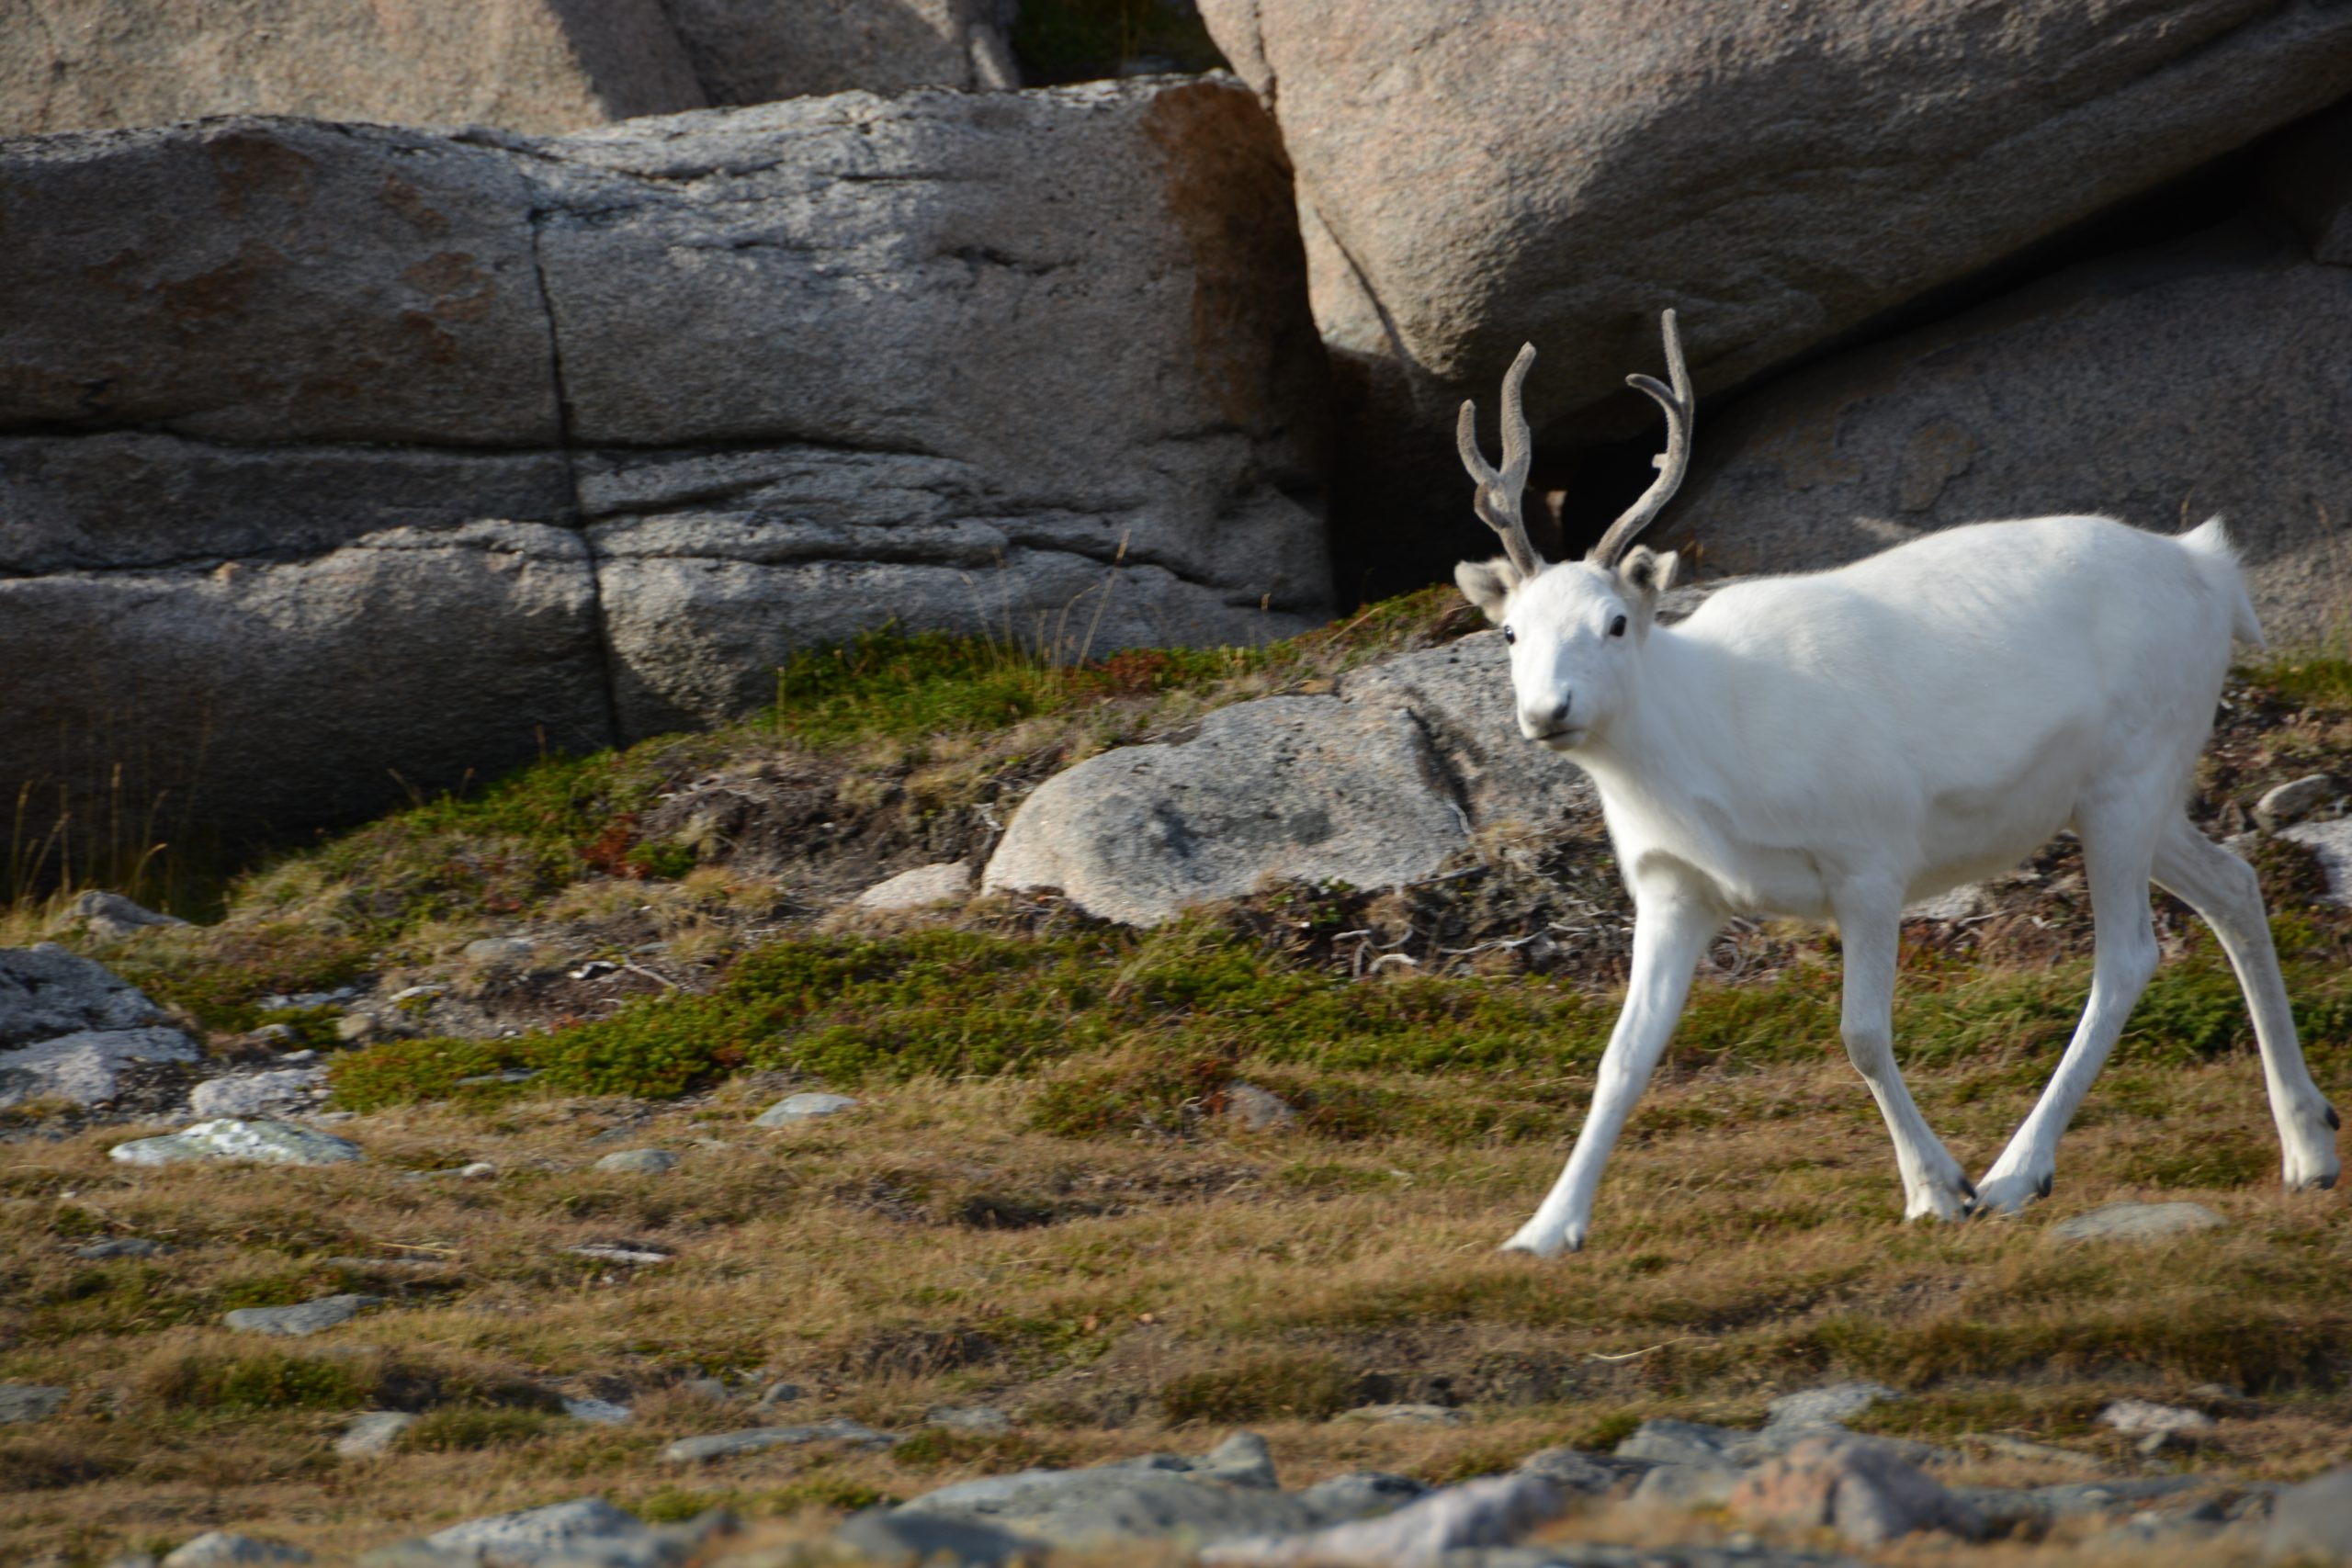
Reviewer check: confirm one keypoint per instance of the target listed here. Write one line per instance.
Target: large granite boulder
(338, 460)
(530, 64)
(1378, 784)
(752, 52)
(1472, 178)
(2210, 376)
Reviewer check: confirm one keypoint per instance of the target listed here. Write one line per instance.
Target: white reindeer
(1835, 745)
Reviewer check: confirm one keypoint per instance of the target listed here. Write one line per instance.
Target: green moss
(2317, 682)
(264, 1380)
(461, 1428)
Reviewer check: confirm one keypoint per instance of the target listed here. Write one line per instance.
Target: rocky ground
(583, 1170)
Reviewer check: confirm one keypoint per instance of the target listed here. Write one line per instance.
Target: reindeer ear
(1487, 583)
(1647, 573)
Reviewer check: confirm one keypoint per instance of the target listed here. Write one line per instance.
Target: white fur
(1837, 745)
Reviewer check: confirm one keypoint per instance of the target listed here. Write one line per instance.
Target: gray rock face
(1835, 1404)
(1469, 180)
(283, 478)
(1496, 1511)
(1082, 1507)
(1857, 1489)
(2128, 388)
(746, 51)
(529, 64)
(46, 991)
(86, 1068)
(2136, 1222)
(1376, 785)
(643, 1162)
(373, 1433)
(303, 1320)
(256, 1140)
(257, 1094)
(30, 1402)
(893, 1539)
(110, 917)
(2293, 799)
(1254, 1109)
(794, 1109)
(2313, 1522)
(586, 1530)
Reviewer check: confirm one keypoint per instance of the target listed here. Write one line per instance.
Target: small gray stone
(257, 1093)
(30, 1402)
(309, 1317)
(597, 1412)
(223, 1549)
(709, 1388)
(780, 1394)
(355, 1028)
(2136, 1415)
(122, 1246)
(1496, 1511)
(258, 1140)
(1963, 903)
(1696, 1486)
(1409, 1415)
(2313, 1522)
(2332, 842)
(2136, 1222)
(616, 1252)
(585, 1531)
(2290, 802)
(758, 1439)
(1254, 1109)
(644, 1162)
(892, 1539)
(921, 889)
(986, 1419)
(1832, 1405)
(373, 1433)
(795, 1109)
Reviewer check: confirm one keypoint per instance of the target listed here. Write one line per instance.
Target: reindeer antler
(1677, 402)
(1498, 493)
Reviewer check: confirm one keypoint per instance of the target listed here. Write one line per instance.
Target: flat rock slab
(251, 1140)
(1833, 1404)
(921, 889)
(795, 1109)
(309, 1317)
(374, 1432)
(644, 1162)
(759, 1439)
(1496, 1511)
(46, 991)
(1408, 1414)
(2137, 1221)
(86, 1068)
(30, 1402)
(581, 1533)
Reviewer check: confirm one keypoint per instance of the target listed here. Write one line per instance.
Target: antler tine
(1499, 493)
(1679, 403)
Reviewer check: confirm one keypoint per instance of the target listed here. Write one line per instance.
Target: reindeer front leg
(1669, 933)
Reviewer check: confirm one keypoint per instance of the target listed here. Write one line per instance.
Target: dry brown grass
(928, 1249)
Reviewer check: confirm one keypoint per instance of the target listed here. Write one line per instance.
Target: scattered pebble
(1408, 1414)
(223, 1549)
(2291, 802)
(758, 1439)
(373, 1433)
(309, 1317)
(645, 1162)
(237, 1138)
(2136, 1222)
(122, 1246)
(22, 1402)
(798, 1108)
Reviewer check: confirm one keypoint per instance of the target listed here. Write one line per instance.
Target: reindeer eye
(1617, 627)
(1509, 636)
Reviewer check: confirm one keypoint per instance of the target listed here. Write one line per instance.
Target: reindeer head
(1573, 628)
